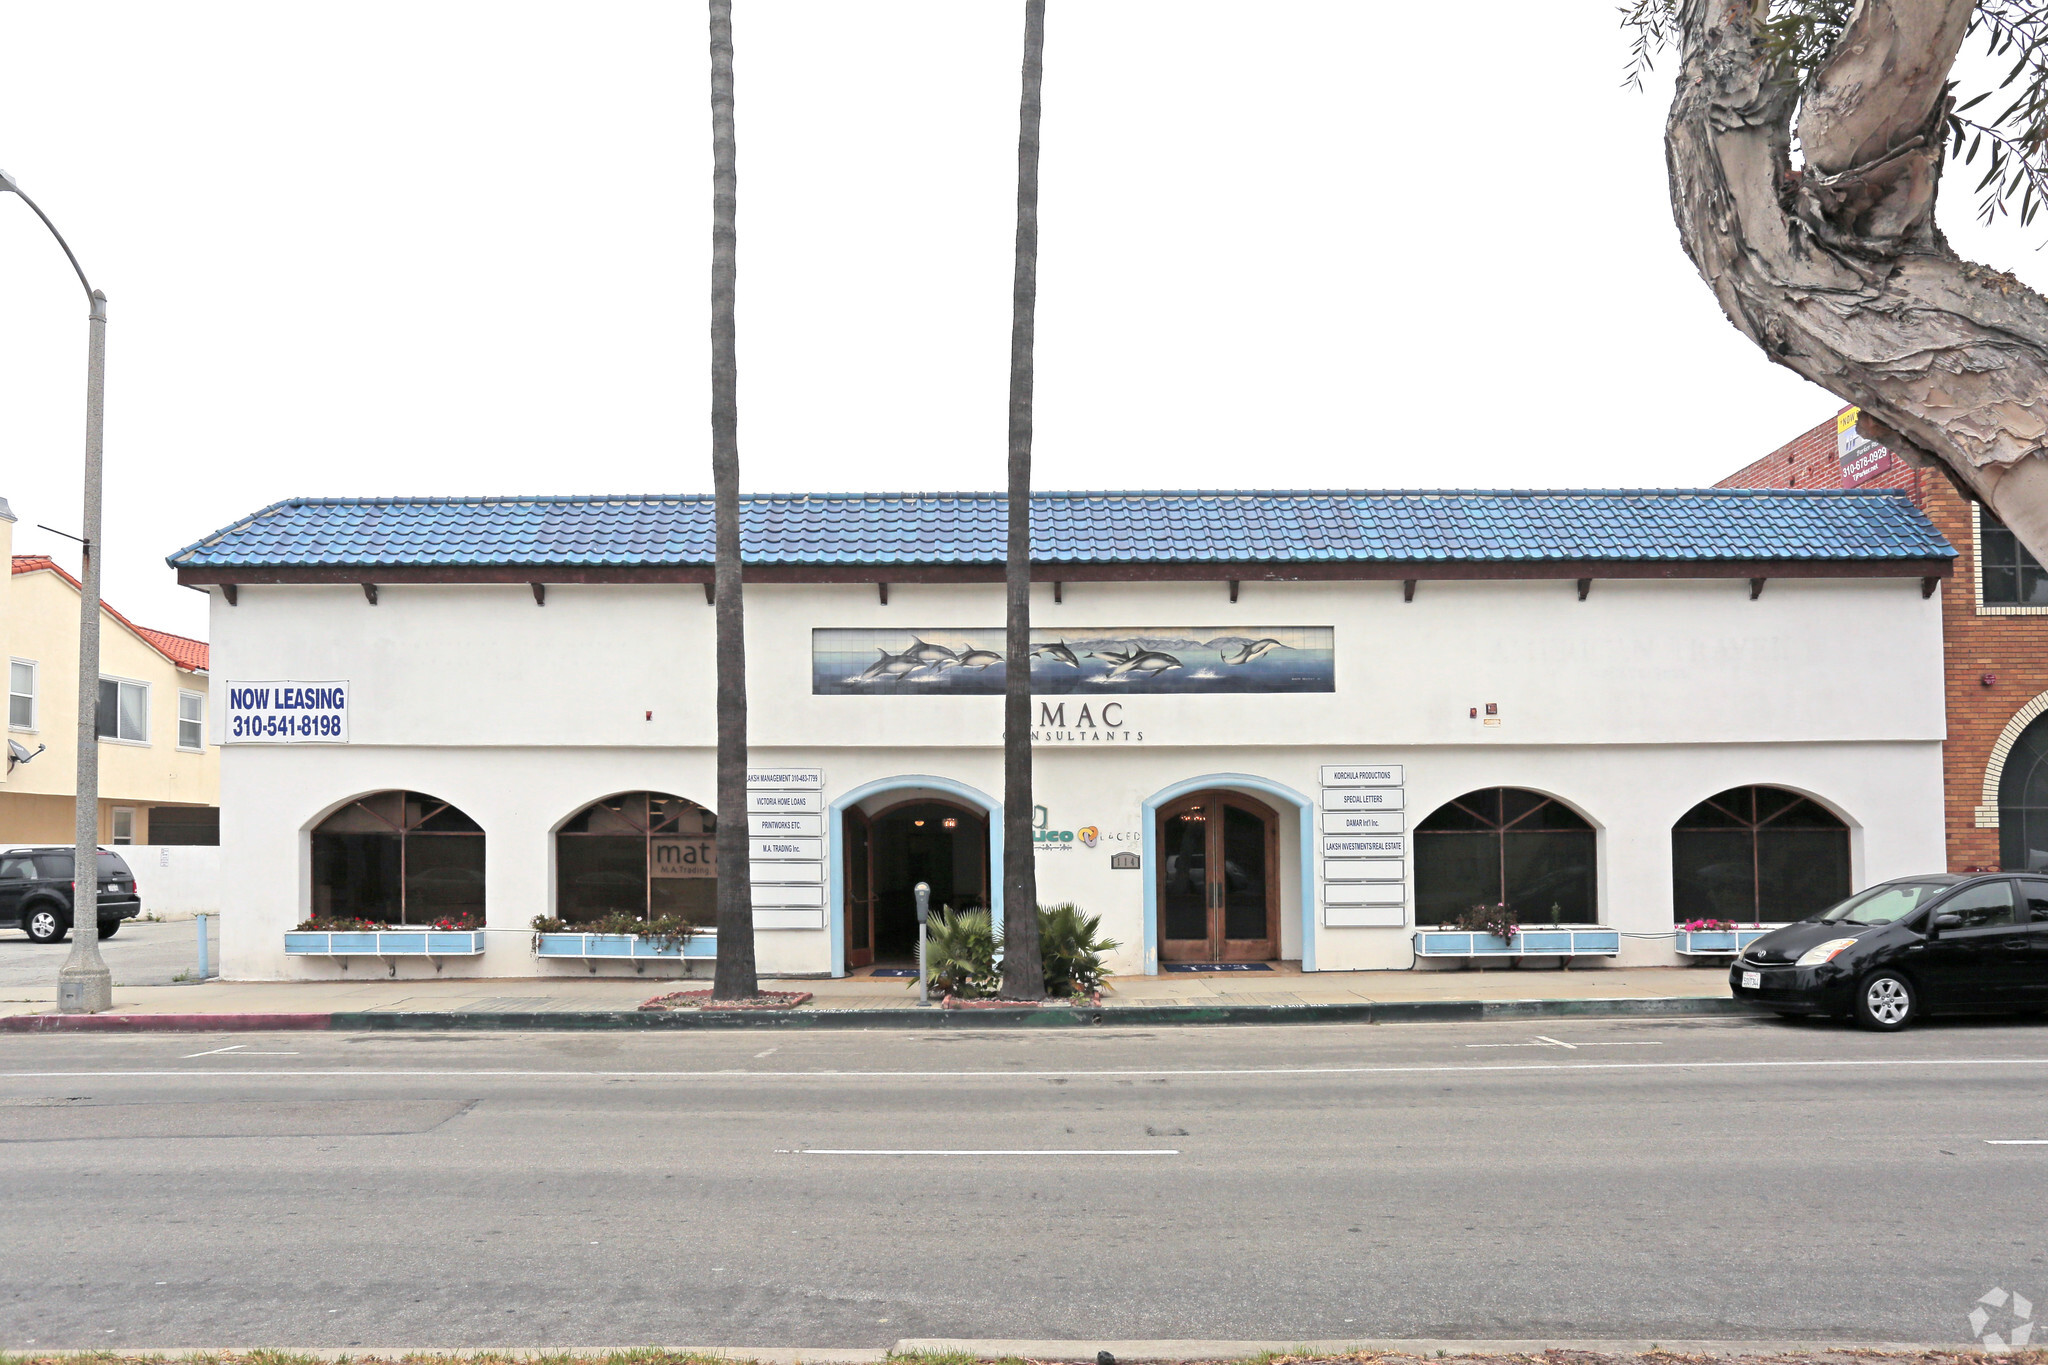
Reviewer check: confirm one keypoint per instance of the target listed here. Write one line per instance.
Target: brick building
(1995, 645)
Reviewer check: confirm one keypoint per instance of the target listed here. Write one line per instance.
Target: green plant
(960, 953)
(1071, 945)
(659, 934)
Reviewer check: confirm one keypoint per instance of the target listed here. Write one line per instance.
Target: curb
(1125, 1351)
(1106, 1016)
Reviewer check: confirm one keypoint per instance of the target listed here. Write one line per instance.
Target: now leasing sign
(286, 713)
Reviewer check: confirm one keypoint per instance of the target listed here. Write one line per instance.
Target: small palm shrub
(960, 953)
(1071, 945)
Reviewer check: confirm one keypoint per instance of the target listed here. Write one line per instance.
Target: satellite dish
(17, 752)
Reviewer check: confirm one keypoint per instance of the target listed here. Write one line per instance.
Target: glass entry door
(1219, 897)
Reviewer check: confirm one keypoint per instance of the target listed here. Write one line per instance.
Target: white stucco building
(1286, 726)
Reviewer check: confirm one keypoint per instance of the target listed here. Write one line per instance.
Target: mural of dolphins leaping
(934, 657)
(1256, 649)
(889, 667)
(978, 658)
(1058, 652)
(1148, 662)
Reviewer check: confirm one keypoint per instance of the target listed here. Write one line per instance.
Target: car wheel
(44, 924)
(109, 928)
(1885, 1001)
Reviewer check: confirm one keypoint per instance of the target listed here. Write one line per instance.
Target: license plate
(1752, 981)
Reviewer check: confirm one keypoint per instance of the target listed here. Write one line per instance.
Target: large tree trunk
(735, 979)
(1837, 271)
(1023, 972)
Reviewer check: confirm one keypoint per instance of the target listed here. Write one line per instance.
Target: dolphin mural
(1257, 649)
(889, 667)
(1133, 660)
(1145, 661)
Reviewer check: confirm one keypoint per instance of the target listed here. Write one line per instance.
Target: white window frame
(35, 679)
(148, 699)
(114, 823)
(1977, 573)
(199, 720)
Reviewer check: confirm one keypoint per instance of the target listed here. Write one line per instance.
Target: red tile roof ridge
(192, 656)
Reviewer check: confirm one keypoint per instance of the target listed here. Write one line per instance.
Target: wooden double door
(1219, 886)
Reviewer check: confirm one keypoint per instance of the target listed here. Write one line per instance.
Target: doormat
(894, 971)
(1215, 967)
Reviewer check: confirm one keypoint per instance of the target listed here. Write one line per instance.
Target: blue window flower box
(1528, 943)
(595, 948)
(393, 943)
(1719, 942)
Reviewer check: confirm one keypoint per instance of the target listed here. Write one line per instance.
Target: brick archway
(1994, 767)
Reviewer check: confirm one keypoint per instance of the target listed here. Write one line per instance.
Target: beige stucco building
(159, 771)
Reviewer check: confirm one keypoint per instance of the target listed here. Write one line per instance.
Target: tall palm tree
(1023, 973)
(735, 978)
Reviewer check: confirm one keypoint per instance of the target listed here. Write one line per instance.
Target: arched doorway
(644, 855)
(939, 842)
(1218, 879)
(2023, 801)
(1757, 854)
(1506, 846)
(398, 857)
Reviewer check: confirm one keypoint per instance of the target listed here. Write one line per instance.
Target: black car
(35, 892)
(1903, 948)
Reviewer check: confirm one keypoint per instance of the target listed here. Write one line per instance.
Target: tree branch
(1840, 274)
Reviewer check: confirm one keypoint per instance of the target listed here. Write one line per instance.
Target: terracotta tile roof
(187, 654)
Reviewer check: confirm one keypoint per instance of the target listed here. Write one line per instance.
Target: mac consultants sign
(286, 713)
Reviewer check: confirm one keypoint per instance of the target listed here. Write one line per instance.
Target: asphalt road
(1655, 1180)
(141, 954)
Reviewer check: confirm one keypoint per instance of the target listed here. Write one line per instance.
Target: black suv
(35, 892)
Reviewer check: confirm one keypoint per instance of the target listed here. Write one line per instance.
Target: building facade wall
(39, 624)
(1630, 706)
(1995, 660)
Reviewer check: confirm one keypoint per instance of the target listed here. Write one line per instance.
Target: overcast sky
(429, 248)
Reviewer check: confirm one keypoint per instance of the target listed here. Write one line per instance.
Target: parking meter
(923, 894)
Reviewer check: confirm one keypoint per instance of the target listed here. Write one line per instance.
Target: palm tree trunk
(1023, 973)
(735, 977)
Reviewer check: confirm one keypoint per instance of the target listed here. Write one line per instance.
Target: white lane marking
(288, 1073)
(1542, 1041)
(769, 1053)
(2016, 1142)
(232, 1047)
(969, 1151)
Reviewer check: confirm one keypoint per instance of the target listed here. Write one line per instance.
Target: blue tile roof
(1187, 527)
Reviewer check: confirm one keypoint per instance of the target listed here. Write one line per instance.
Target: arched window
(647, 855)
(1503, 844)
(398, 857)
(1755, 855)
(2023, 802)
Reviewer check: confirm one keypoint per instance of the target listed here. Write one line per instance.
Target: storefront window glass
(398, 857)
(646, 855)
(1506, 845)
(2023, 802)
(1754, 855)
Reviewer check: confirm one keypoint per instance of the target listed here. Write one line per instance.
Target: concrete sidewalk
(1126, 995)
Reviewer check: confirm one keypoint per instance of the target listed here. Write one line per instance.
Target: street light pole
(85, 985)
